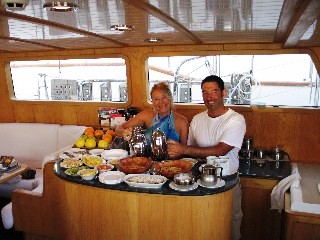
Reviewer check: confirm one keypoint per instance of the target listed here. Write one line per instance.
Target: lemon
(90, 143)
(103, 144)
(80, 143)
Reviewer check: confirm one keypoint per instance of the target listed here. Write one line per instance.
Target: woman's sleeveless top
(165, 124)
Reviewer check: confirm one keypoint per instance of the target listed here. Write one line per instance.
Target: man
(218, 131)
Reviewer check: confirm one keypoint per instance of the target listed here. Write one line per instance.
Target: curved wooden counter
(68, 210)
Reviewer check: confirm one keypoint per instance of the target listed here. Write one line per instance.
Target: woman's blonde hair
(163, 86)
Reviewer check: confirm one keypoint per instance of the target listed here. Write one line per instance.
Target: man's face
(212, 95)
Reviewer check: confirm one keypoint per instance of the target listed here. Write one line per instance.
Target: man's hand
(175, 149)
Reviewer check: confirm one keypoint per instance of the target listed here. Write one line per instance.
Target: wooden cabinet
(259, 222)
(300, 225)
(69, 211)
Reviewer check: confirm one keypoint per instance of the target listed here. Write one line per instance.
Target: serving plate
(144, 180)
(114, 154)
(73, 171)
(192, 160)
(230, 172)
(71, 162)
(169, 168)
(72, 153)
(9, 169)
(92, 160)
(220, 183)
(133, 165)
(111, 178)
(176, 187)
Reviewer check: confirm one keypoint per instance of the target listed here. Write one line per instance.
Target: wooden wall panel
(297, 129)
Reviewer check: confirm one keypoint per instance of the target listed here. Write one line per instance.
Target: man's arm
(176, 150)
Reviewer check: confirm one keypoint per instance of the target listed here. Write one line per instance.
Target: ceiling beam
(31, 42)
(287, 12)
(58, 25)
(156, 12)
(305, 14)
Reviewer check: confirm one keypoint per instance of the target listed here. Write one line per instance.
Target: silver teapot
(210, 174)
(138, 142)
(158, 146)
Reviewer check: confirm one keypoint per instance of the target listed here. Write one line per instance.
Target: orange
(89, 134)
(89, 129)
(107, 137)
(111, 132)
(98, 133)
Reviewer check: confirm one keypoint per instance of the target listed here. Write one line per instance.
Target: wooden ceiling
(292, 23)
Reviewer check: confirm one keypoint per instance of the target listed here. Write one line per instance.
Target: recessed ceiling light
(123, 27)
(61, 6)
(153, 40)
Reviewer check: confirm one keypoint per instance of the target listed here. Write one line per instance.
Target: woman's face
(161, 102)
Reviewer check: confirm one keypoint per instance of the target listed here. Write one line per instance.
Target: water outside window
(70, 80)
(277, 80)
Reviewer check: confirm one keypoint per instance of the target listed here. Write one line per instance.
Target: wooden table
(5, 176)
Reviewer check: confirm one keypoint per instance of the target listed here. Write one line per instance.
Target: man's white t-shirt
(228, 128)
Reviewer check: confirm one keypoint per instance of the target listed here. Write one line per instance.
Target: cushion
(28, 143)
(67, 134)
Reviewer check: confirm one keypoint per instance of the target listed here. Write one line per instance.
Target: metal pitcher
(210, 174)
(158, 146)
(138, 142)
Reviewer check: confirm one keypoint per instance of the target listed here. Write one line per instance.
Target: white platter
(192, 160)
(174, 186)
(144, 185)
(72, 153)
(71, 162)
(111, 177)
(96, 151)
(220, 183)
(114, 154)
(99, 160)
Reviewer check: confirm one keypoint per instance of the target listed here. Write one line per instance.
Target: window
(276, 80)
(70, 80)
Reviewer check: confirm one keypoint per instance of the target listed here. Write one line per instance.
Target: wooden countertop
(67, 210)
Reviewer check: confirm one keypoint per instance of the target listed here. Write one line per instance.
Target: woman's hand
(127, 133)
(175, 149)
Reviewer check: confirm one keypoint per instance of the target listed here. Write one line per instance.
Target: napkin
(277, 194)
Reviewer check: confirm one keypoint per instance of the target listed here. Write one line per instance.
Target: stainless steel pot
(158, 146)
(210, 175)
(246, 154)
(260, 153)
(247, 144)
(138, 142)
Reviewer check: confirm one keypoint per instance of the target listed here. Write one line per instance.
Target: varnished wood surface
(300, 225)
(5, 176)
(71, 211)
(259, 222)
(297, 129)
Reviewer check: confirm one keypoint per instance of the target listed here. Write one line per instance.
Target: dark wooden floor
(8, 234)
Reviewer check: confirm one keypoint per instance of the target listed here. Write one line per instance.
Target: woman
(173, 124)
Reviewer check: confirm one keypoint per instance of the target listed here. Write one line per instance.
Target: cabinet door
(259, 222)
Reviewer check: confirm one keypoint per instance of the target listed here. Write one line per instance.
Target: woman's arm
(125, 129)
(182, 127)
